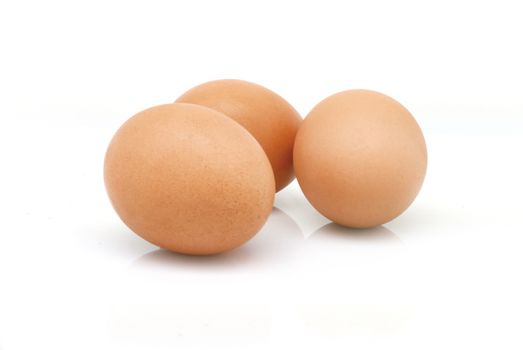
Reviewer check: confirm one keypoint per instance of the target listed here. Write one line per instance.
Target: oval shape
(189, 179)
(266, 115)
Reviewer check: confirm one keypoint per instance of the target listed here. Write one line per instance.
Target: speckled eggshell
(360, 158)
(266, 115)
(189, 179)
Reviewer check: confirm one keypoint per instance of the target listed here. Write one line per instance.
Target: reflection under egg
(274, 243)
(369, 235)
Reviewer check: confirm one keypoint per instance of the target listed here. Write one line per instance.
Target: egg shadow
(365, 235)
(270, 245)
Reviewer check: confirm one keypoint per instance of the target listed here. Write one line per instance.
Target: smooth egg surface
(360, 158)
(266, 115)
(189, 179)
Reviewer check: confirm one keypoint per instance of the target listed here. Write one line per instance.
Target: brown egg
(189, 179)
(267, 116)
(360, 158)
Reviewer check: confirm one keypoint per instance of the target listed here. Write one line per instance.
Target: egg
(189, 179)
(360, 158)
(266, 115)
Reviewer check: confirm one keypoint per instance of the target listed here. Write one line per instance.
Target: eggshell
(189, 179)
(266, 115)
(360, 158)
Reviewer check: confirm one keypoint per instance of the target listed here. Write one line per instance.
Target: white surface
(445, 275)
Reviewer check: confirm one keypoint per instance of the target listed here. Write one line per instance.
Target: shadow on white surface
(275, 242)
(368, 235)
(165, 257)
(293, 202)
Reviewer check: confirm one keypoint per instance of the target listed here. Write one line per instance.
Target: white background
(444, 275)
